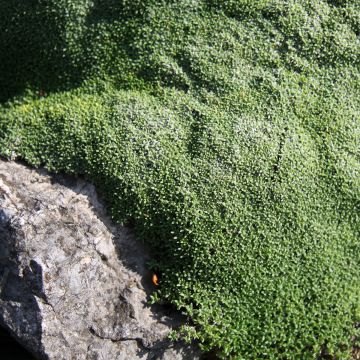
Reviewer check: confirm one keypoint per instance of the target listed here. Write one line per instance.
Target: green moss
(228, 131)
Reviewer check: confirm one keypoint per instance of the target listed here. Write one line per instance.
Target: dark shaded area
(48, 46)
(25, 316)
(10, 349)
(33, 45)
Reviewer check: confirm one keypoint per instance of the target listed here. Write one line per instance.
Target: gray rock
(72, 284)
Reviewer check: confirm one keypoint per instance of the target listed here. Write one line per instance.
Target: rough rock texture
(73, 285)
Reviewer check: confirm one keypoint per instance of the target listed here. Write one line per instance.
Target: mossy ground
(228, 131)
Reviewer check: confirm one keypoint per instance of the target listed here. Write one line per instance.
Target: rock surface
(72, 284)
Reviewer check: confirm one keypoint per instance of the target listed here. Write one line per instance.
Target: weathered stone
(72, 284)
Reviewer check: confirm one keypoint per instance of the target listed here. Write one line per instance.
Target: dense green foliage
(228, 131)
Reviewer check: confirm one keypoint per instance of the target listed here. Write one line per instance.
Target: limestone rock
(72, 284)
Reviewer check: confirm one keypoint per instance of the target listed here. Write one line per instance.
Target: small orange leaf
(155, 279)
